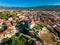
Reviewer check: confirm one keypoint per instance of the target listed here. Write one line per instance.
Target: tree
(58, 43)
(1, 29)
(22, 41)
(15, 41)
(52, 30)
(38, 26)
(6, 41)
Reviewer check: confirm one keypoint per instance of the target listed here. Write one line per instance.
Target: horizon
(28, 3)
(31, 6)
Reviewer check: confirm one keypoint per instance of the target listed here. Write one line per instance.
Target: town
(29, 27)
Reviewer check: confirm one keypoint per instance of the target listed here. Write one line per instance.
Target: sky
(28, 3)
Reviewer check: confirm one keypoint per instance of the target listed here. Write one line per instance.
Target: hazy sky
(28, 3)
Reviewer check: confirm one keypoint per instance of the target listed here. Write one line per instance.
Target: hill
(51, 7)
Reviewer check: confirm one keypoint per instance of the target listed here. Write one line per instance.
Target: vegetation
(58, 43)
(38, 26)
(17, 34)
(1, 29)
(6, 15)
(24, 26)
(17, 41)
(52, 30)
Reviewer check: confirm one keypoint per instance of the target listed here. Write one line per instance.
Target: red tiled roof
(4, 33)
(8, 24)
(32, 21)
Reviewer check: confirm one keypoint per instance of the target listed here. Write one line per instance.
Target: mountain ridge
(51, 7)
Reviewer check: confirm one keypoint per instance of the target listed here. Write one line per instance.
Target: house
(1, 22)
(5, 33)
(9, 32)
(54, 25)
(58, 24)
(1, 37)
(22, 17)
(8, 24)
(32, 23)
(10, 19)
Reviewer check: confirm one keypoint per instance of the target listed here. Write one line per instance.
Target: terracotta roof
(12, 28)
(1, 34)
(8, 24)
(4, 33)
(32, 21)
(7, 31)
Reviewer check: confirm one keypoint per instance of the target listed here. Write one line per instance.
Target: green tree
(22, 41)
(1, 29)
(52, 30)
(38, 26)
(15, 41)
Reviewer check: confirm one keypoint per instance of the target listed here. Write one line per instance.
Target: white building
(32, 24)
(10, 19)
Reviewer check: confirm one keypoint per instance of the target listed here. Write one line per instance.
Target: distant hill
(53, 7)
